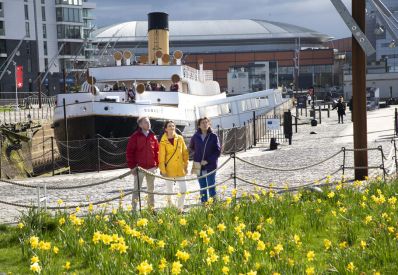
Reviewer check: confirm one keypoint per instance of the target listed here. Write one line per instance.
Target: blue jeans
(210, 180)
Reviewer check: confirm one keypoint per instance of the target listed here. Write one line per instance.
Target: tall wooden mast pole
(359, 95)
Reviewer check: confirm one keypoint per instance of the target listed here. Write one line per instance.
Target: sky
(318, 15)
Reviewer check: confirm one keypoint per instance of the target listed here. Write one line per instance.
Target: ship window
(243, 106)
(225, 109)
(248, 104)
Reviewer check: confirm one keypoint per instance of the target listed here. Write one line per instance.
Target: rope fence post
(234, 157)
(244, 127)
(234, 129)
(395, 157)
(1, 152)
(139, 188)
(52, 155)
(343, 166)
(38, 198)
(45, 196)
(382, 162)
(254, 129)
(98, 156)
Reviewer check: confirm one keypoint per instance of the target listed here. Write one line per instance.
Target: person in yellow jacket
(173, 161)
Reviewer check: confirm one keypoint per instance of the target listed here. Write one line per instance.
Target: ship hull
(95, 143)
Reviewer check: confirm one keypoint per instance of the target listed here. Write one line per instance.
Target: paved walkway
(326, 139)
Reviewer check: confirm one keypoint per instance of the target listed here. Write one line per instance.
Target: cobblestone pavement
(310, 145)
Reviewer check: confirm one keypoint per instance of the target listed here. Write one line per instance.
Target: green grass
(269, 233)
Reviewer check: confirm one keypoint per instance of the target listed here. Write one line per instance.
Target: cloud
(318, 15)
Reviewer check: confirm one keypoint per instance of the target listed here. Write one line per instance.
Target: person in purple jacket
(206, 150)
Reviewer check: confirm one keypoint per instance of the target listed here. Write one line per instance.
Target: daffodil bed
(350, 228)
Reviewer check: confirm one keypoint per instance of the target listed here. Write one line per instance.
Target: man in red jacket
(142, 150)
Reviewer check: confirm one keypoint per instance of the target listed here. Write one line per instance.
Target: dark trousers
(208, 181)
(340, 117)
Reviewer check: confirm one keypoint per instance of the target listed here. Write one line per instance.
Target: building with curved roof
(223, 44)
(216, 35)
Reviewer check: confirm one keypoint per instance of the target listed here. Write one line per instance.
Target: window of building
(27, 48)
(2, 32)
(46, 64)
(27, 30)
(43, 2)
(26, 12)
(69, 15)
(3, 48)
(29, 65)
(68, 32)
(45, 48)
(44, 31)
(43, 13)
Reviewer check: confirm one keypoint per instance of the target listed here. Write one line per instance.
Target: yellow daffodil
(310, 270)
(343, 245)
(182, 255)
(176, 268)
(260, 245)
(144, 268)
(368, 219)
(327, 244)
(162, 264)
(331, 195)
(225, 259)
(34, 242)
(363, 244)
(34, 259)
(310, 255)
(142, 222)
(278, 249)
(35, 267)
(67, 265)
(55, 250)
(350, 267)
(161, 244)
(221, 227)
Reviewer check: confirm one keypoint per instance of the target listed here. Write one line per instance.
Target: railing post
(254, 129)
(320, 115)
(295, 123)
(395, 122)
(52, 154)
(244, 127)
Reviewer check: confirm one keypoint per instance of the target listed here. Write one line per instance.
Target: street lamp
(16, 83)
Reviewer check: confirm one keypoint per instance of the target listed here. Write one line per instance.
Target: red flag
(19, 77)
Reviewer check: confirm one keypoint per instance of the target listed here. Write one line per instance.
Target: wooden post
(359, 94)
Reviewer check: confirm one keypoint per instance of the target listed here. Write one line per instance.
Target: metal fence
(10, 115)
(106, 154)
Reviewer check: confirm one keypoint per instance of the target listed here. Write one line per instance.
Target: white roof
(196, 30)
